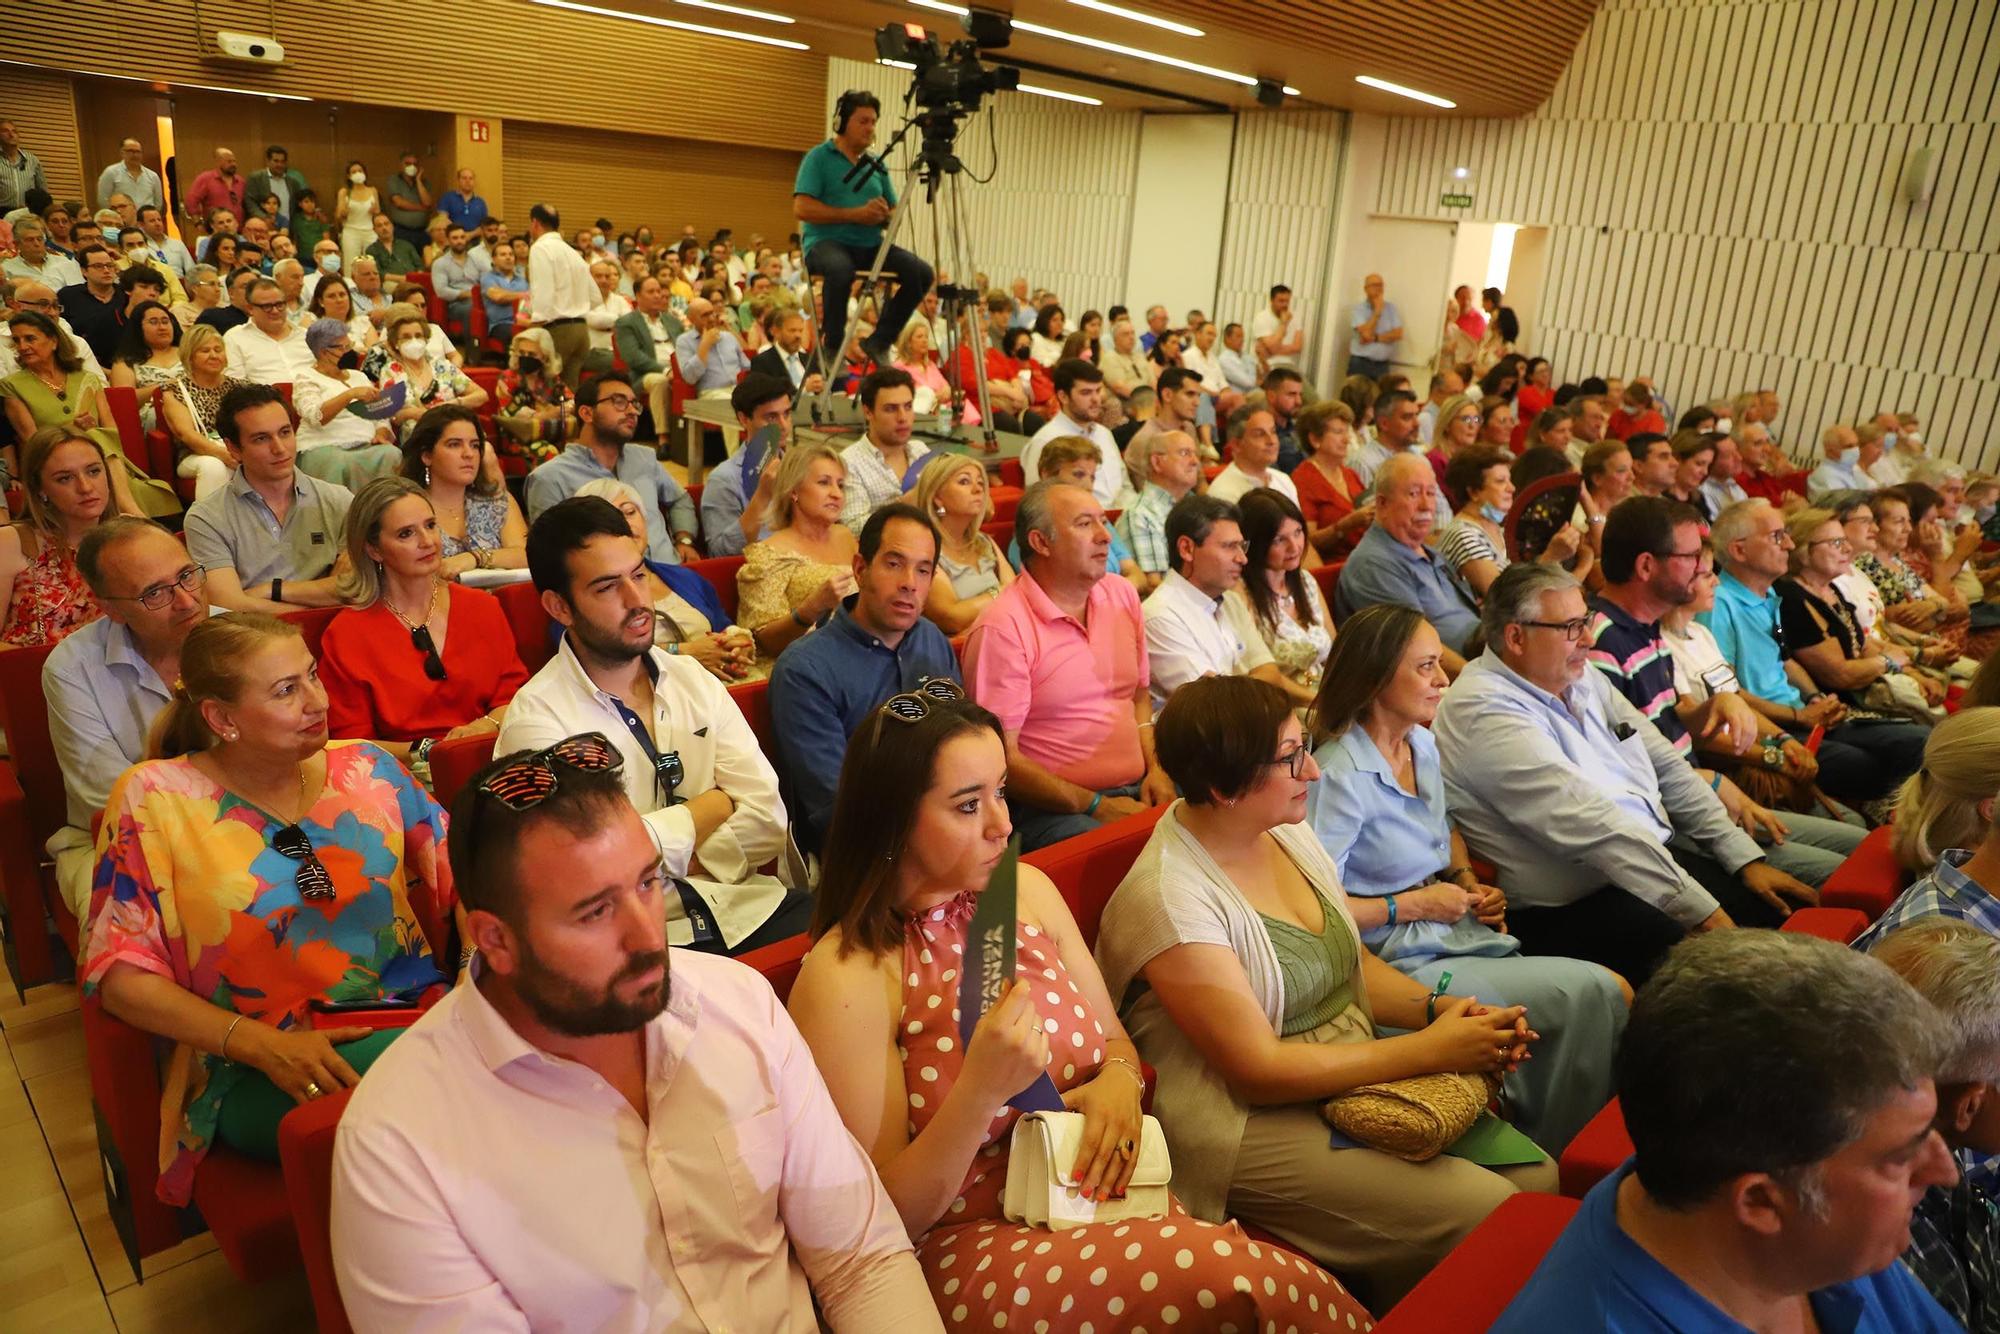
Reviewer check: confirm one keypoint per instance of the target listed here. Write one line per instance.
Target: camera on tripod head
(951, 79)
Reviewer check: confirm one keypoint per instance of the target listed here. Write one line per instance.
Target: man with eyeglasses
(692, 766)
(94, 306)
(34, 261)
(1608, 845)
(608, 408)
(1652, 560)
(236, 312)
(269, 349)
(1860, 760)
(107, 682)
(1193, 627)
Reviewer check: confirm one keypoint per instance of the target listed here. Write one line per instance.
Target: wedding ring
(313, 1090)
(1126, 1148)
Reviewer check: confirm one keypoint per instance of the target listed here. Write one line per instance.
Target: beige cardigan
(1175, 894)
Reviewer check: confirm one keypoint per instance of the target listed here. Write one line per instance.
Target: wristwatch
(277, 590)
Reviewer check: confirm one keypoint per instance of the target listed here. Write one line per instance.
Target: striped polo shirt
(1634, 656)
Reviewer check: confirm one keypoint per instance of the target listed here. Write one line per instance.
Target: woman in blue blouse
(1379, 810)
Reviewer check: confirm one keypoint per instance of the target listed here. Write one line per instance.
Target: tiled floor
(62, 1269)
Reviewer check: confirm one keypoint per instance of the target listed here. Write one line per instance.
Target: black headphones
(847, 104)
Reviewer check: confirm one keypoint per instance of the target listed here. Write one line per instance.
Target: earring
(427, 474)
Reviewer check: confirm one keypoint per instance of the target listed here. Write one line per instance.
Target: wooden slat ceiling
(1492, 59)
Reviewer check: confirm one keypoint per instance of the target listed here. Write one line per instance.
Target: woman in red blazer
(415, 658)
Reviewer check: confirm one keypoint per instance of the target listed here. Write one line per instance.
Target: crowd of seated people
(1518, 780)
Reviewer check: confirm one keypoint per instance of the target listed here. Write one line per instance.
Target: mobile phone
(355, 1006)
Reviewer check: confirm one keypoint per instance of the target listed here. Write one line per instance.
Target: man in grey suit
(278, 178)
(644, 337)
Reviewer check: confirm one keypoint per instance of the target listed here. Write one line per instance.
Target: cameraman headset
(843, 227)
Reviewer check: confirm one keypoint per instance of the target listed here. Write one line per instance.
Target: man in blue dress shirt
(736, 499)
(1779, 1092)
(1394, 561)
(877, 645)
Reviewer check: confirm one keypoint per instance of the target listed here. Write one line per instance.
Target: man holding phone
(843, 210)
(738, 495)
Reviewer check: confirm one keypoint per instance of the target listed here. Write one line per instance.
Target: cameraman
(843, 227)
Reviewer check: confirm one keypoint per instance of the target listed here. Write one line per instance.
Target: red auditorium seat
(1596, 1151)
(1087, 868)
(453, 763)
(1329, 579)
(1006, 499)
(1839, 925)
(305, 1149)
(1869, 880)
(32, 807)
(753, 698)
(1469, 1289)
(532, 638)
(720, 571)
(1000, 530)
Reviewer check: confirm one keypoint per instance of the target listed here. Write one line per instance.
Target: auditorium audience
(1458, 423)
(877, 643)
(1169, 463)
(688, 616)
(896, 906)
(1846, 466)
(608, 411)
(1075, 460)
(1060, 658)
(249, 871)
(1393, 561)
(479, 523)
(952, 493)
(1946, 832)
(337, 444)
(534, 407)
(1245, 986)
(1694, 453)
(333, 300)
(1734, 1209)
(188, 406)
(429, 379)
(734, 510)
(691, 763)
(414, 658)
(883, 459)
(1721, 489)
(1823, 633)
(1908, 600)
(1252, 436)
(268, 537)
(792, 579)
(1079, 395)
(1194, 628)
(53, 390)
(67, 484)
(445, 1204)
(1474, 543)
(1608, 851)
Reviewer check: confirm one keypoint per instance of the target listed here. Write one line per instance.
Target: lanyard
(667, 774)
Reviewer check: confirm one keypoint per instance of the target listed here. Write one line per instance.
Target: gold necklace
(429, 604)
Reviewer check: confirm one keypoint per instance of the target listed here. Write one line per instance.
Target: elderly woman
(1901, 569)
(479, 522)
(1242, 978)
(919, 823)
(1947, 831)
(1330, 490)
(51, 388)
(1823, 635)
(688, 616)
(1856, 512)
(1379, 811)
(1284, 602)
(188, 409)
(148, 357)
(68, 487)
(805, 568)
(413, 659)
(248, 872)
(535, 406)
(971, 570)
(428, 380)
(1474, 543)
(335, 443)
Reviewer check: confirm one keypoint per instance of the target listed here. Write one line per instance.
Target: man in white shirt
(692, 767)
(35, 262)
(879, 461)
(131, 177)
(1845, 466)
(1193, 628)
(269, 349)
(1589, 416)
(560, 291)
(1080, 409)
(1278, 333)
(1239, 368)
(597, 1132)
(1253, 457)
(166, 249)
(1722, 490)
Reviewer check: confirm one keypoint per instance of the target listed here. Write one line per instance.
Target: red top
(374, 675)
(1766, 486)
(1000, 366)
(1527, 403)
(1625, 424)
(1323, 506)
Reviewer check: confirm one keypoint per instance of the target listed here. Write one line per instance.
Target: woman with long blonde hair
(1947, 824)
(68, 484)
(952, 490)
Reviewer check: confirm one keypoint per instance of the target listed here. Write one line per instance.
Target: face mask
(410, 170)
(1849, 457)
(531, 365)
(1492, 513)
(1724, 425)
(136, 252)
(357, 177)
(1907, 437)
(350, 360)
(411, 348)
(329, 263)
(596, 241)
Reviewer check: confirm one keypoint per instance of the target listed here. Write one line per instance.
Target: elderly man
(708, 356)
(1060, 657)
(1375, 328)
(35, 262)
(1193, 628)
(106, 683)
(1239, 367)
(886, 454)
(290, 276)
(1737, 1212)
(391, 252)
(365, 286)
(269, 349)
(1022, 314)
(1156, 327)
(1722, 490)
(1252, 436)
(131, 177)
(1079, 387)
(235, 311)
(1589, 415)
(1394, 562)
(1651, 559)
(609, 410)
(1846, 465)
(1608, 845)
(221, 186)
(1860, 760)
(1170, 463)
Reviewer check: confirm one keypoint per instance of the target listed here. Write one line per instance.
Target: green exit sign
(1450, 200)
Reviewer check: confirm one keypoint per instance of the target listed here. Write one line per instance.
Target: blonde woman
(913, 354)
(1946, 824)
(952, 490)
(68, 485)
(188, 407)
(805, 568)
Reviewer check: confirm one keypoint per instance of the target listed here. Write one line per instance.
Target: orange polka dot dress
(1136, 1274)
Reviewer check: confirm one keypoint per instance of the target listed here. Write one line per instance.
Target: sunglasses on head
(315, 881)
(420, 636)
(916, 705)
(532, 779)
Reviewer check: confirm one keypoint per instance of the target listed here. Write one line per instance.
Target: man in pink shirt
(598, 1132)
(1060, 658)
(221, 186)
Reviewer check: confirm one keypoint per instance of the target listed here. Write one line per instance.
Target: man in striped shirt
(1651, 559)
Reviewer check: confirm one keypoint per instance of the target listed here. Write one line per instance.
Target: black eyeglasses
(420, 636)
(1293, 761)
(1571, 630)
(532, 779)
(156, 597)
(315, 881)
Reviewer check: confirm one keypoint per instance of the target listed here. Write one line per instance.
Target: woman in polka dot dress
(920, 821)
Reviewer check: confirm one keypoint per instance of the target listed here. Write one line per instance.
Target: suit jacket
(259, 184)
(770, 361)
(633, 338)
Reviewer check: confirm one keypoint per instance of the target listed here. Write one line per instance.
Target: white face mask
(1724, 425)
(357, 177)
(411, 348)
(410, 170)
(330, 262)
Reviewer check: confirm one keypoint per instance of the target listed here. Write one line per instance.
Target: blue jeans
(461, 311)
(1039, 828)
(1367, 366)
(837, 263)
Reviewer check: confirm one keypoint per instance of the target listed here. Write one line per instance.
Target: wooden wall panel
(515, 60)
(44, 111)
(1752, 232)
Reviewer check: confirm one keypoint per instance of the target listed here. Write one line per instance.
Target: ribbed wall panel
(43, 109)
(1284, 186)
(1751, 231)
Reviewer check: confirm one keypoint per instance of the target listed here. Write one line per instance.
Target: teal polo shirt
(1746, 628)
(820, 173)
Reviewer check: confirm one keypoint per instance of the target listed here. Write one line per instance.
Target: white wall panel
(1179, 199)
(1750, 230)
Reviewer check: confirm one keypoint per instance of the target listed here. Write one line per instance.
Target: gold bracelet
(227, 1034)
(1131, 1069)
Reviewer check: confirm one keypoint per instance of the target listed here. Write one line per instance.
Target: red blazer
(374, 675)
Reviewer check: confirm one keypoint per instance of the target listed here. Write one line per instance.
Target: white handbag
(1042, 1160)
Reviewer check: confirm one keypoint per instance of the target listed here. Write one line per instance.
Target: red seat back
(1870, 879)
(1596, 1151)
(453, 763)
(1086, 869)
(1011, 474)
(754, 699)
(1006, 500)
(533, 638)
(1467, 1292)
(312, 623)
(1000, 530)
(779, 963)
(1329, 579)
(305, 1148)
(1842, 926)
(720, 571)
(487, 378)
(25, 716)
(122, 403)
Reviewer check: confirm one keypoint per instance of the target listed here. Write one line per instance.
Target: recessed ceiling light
(717, 5)
(1400, 91)
(1101, 7)
(1291, 91)
(657, 22)
(894, 64)
(1061, 95)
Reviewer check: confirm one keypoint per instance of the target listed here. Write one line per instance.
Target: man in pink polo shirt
(1060, 658)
